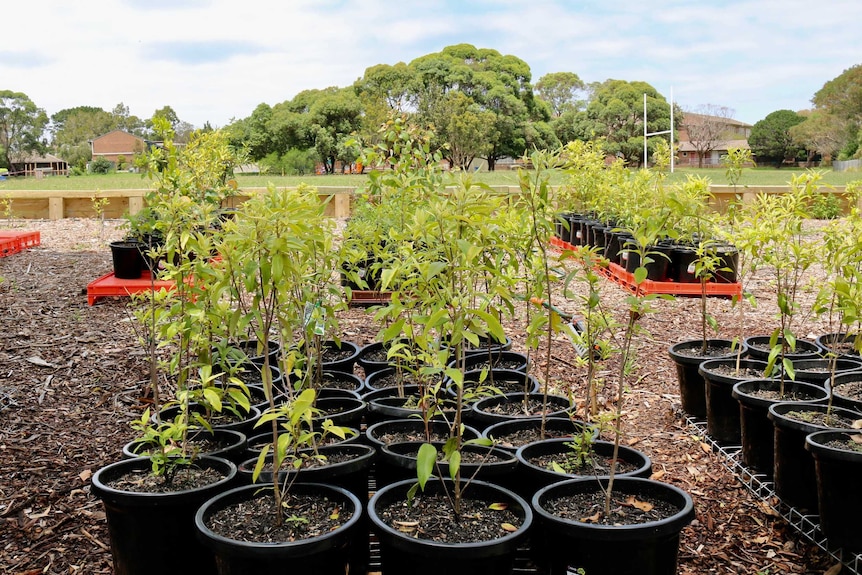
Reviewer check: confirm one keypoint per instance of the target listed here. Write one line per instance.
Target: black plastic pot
(839, 498)
(687, 358)
(329, 554)
(127, 259)
(841, 397)
(614, 241)
(649, 548)
(758, 348)
(344, 364)
(374, 434)
(133, 518)
(370, 365)
(555, 427)
(249, 349)
(793, 471)
(682, 264)
(818, 371)
(244, 425)
(233, 444)
(722, 410)
(386, 404)
(841, 344)
(484, 411)
(344, 411)
(756, 429)
(255, 443)
(351, 474)
(405, 554)
(497, 359)
(531, 476)
(658, 269)
(496, 381)
(397, 462)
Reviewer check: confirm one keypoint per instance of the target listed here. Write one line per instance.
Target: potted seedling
(272, 255)
(576, 537)
(454, 235)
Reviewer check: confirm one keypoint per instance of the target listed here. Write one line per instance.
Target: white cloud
(213, 60)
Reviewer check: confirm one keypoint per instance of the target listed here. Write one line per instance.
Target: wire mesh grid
(6, 399)
(762, 488)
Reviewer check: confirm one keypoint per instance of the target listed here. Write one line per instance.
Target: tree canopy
(771, 139)
(22, 125)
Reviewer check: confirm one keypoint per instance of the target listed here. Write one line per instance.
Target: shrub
(825, 207)
(101, 166)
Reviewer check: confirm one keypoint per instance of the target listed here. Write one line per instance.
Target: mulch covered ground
(72, 377)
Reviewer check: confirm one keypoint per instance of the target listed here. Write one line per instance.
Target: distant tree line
(478, 103)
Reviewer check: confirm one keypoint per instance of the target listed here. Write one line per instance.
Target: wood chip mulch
(72, 376)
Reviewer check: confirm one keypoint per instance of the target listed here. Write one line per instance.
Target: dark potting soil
(851, 390)
(478, 455)
(775, 395)
(309, 462)
(711, 351)
(430, 517)
(394, 379)
(521, 437)
(822, 419)
(143, 481)
(334, 382)
(846, 445)
(593, 465)
(625, 509)
(404, 436)
(332, 353)
(328, 439)
(489, 387)
(205, 444)
(741, 373)
(305, 516)
(499, 364)
(376, 355)
(530, 407)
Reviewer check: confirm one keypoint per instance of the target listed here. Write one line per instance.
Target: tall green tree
(616, 114)
(563, 91)
(820, 134)
(841, 97)
(495, 83)
(73, 128)
(128, 122)
(22, 125)
(771, 140)
(383, 90)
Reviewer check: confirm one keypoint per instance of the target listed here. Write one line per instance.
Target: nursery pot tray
(110, 285)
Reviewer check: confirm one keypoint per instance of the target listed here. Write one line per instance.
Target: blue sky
(214, 60)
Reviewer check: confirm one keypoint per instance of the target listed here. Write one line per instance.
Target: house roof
(43, 159)
(114, 132)
(686, 146)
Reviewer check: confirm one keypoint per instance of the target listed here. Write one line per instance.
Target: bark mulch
(72, 376)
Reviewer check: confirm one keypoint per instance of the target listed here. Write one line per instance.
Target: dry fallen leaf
(85, 475)
(644, 506)
(856, 424)
(856, 438)
(657, 475)
(591, 518)
(499, 506)
(834, 570)
(508, 527)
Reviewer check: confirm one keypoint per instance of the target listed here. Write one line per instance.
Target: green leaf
(261, 461)
(454, 464)
(425, 461)
(640, 275)
(788, 368)
(213, 398)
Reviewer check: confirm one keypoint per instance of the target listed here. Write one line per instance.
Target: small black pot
(386, 404)
(839, 499)
(555, 427)
(682, 264)
(722, 410)
(248, 349)
(374, 433)
(343, 411)
(245, 425)
(483, 413)
(127, 259)
(532, 477)
(845, 342)
(351, 474)
(397, 462)
(255, 443)
(504, 380)
(329, 554)
(498, 359)
(758, 348)
(756, 429)
(818, 371)
(405, 554)
(643, 549)
(658, 270)
(130, 516)
(834, 385)
(687, 358)
(794, 474)
(233, 444)
(344, 364)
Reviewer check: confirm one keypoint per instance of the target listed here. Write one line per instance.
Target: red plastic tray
(13, 241)
(361, 298)
(109, 285)
(620, 276)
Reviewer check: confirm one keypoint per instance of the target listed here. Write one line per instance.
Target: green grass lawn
(123, 181)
